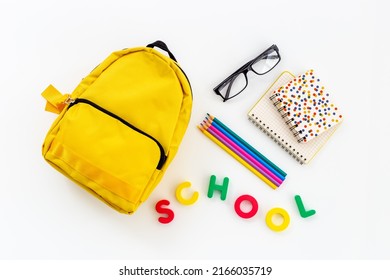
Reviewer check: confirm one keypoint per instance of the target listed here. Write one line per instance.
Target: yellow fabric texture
(100, 152)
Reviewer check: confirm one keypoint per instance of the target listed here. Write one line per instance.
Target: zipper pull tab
(56, 101)
(69, 100)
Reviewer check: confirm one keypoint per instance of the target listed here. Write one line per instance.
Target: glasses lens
(233, 86)
(265, 62)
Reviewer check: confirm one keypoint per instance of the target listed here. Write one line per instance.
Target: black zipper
(163, 157)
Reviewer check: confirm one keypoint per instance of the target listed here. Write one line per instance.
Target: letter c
(181, 199)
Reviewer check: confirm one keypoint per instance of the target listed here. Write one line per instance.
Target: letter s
(162, 210)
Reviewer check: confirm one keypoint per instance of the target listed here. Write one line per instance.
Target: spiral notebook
(306, 106)
(267, 118)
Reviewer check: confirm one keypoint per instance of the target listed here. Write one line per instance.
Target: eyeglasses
(238, 81)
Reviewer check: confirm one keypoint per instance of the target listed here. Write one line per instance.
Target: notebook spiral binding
(276, 138)
(288, 121)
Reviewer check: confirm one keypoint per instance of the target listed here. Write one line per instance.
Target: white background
(45, 216)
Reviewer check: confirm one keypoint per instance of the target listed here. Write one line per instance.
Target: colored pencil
(244, 155)
(240, 160)
(247, 145)
(242, 146)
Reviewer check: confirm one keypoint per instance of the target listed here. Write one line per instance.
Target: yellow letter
(181, 199)
(281, 212)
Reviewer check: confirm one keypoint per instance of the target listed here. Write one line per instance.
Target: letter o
(252, 212)
(281, 212)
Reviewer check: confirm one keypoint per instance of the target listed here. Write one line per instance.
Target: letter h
(222, 188)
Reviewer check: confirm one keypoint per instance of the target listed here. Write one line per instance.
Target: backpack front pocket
(106, 152)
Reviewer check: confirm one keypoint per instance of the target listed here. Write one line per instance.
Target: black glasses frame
(244, 70)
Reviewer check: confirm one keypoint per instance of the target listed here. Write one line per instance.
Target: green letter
(222, 188)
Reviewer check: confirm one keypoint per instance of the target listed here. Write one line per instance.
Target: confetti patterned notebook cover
(305, 104)
(264, 115)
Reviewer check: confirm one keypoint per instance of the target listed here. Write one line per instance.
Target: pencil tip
(200, 127)
(206, 124)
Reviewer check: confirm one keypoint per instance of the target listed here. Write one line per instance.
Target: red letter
(162, 210)
(252, 200)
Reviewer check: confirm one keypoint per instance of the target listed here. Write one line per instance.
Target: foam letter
(162, 210)
(222, 188)
(252, 212)
(302, 211)
(181, 199)
(281, 212)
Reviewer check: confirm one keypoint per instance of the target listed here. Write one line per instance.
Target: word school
(168, 214)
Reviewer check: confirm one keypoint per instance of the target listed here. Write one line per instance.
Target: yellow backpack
(121, 127)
